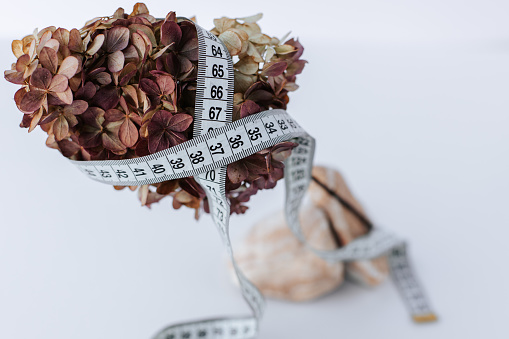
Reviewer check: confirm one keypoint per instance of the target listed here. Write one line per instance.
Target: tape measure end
(425, 318)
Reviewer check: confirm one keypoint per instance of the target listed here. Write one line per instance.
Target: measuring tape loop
(217, 142)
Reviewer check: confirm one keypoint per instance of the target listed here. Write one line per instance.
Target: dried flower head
(124, 86)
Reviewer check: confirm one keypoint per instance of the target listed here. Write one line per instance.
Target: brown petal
(104, 78)
(128, 133)
(30, 69)
(49, 59)
(60, 128)
(249, 107)
(237, 172)
(150, 87)
(106, 97)
(41, 78)
(112, 142)
(130, 95)
(35, 120)
(59, 83)
(180, 122)
(116, 61)
(68, 148)
(65, 97)
(32, 101)
(69, 67)
(274, 69)
(190, 49)
(86, 92)
(127, 73)
(96, 44)
(114, 115)
(117, 39)
(140, 44)
(166, 84)
(75, 41)
(76, 108)
(145, 32)
(15, 77)
(62, 36)
(22, 63)
(170, 33)
(131, 54)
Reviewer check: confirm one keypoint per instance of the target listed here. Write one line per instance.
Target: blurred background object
(408, 98)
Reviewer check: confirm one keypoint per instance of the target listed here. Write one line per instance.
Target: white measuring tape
(218, 142)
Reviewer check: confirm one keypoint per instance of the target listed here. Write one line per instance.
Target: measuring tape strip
(201, 154)
(218, 142)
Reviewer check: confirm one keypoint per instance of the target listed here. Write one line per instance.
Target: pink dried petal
(180, 122)
(116, 61)
(75, 41)
(76, 108)
(69, 67)
(60, 128)
(59, 83)
(166, 84)
(274, 68)
(170, 33)
(128, 133)
(32, 100)
(117, 39)
(41, 78)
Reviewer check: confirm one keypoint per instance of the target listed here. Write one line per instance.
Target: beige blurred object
(345, 223)
(281, 267)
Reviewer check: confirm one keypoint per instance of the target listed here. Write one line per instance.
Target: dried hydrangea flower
(124, 86)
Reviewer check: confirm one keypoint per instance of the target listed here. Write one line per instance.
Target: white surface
(417, 106)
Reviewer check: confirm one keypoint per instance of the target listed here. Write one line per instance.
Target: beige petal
(17, 48)
(252, 18)
(285, 49)
(291, 86)
(261, 39)
(242, 34)
(243, 81)
(252, 51)
(161, 51)
(224, 23)
(96, 44)
(143, 194)
(232, 41)
(269, 54)
(250, 28)
(247, 65)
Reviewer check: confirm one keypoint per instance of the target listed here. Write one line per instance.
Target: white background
(408, 98)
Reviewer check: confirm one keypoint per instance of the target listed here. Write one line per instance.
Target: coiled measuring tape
(218, 142)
